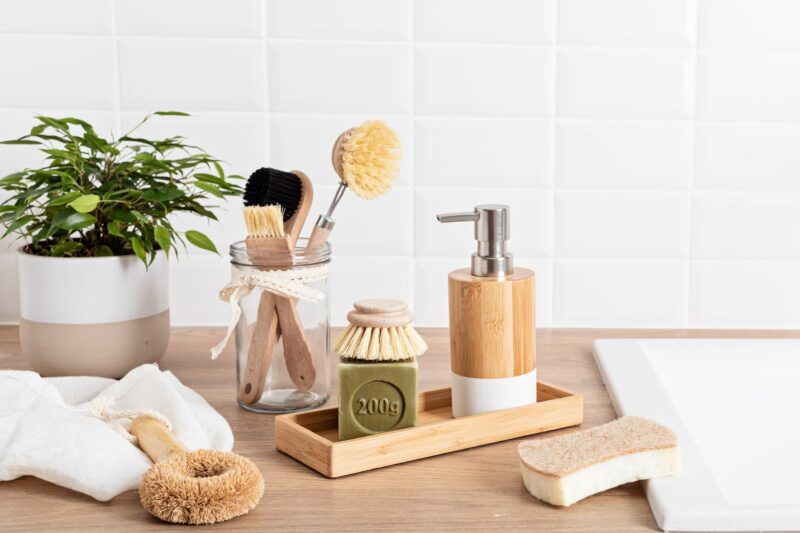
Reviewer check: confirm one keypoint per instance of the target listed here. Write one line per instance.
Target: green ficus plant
(96, 197)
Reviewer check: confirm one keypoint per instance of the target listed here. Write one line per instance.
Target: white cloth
(49, 427)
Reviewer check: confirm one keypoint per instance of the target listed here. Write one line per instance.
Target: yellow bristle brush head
(380, 330)
(367, 158)
(264, 221)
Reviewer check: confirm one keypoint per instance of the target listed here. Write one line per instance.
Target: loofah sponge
(380, 330)
(367, 158)
(565, 469)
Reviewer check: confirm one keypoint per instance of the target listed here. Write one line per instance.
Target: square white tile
(623, 155)
(625, 84)
(338, 19)
(667, 23)
(462, 152)
(752, 225)
(194, 284)
(746, 85)
(431, 288)
(305, 143)
(43, 79)
(382, 226)
(748, 156)
(622, 224)
(745, 294)
(485, 21)
(749, 24)
(489, 81)
(57, 16)
(531, 221)
(191, 75)
(239, 140)
(356, 78)
(617, 293)
(190, 18)
(356, 278)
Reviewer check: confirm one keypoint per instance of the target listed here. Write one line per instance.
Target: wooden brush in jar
(288, 197)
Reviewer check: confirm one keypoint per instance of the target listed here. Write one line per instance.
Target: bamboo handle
(296, 347)
(259, 356)
(155, 439)
(319, 236)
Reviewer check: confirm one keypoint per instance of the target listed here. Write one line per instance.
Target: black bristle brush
(269, 186)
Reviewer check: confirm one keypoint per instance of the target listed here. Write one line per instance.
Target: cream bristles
(370, 159)
(264, 221)
(380, 344)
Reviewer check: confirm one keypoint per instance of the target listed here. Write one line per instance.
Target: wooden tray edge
(336, 459)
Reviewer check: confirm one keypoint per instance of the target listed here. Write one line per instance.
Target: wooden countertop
(477, 489)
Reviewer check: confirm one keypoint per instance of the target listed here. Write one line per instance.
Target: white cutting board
(735, 406)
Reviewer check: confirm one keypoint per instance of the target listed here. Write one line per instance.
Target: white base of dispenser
(472, 396)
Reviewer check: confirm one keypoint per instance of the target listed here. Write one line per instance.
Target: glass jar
(281, 390)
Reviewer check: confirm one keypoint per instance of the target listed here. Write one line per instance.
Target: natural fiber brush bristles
(201, 487)
(380, 344)
(264, 221)
(370, 159)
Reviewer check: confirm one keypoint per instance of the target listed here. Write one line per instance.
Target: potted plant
(95, 218)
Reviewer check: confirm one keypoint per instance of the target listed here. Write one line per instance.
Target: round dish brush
(367, 160)
(380, 330)
(199, 487)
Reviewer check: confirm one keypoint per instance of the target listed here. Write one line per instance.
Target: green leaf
(122, 215)
(163, 194)
(114, 228)
(64, 199)
(201, 241)
(20, 141)
(53, 123)
(65, 248)
(103, 251)
(209, 188)
(162, 238)
(18, 223)
(171, 114)
(69, 219)
(141, 218)
(138, 249)
(85, 203)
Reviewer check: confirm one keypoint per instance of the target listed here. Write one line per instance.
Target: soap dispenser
(492, 320)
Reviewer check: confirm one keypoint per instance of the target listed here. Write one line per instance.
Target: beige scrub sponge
(565, 469)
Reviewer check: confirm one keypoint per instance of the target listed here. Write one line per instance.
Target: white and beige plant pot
(96, 316)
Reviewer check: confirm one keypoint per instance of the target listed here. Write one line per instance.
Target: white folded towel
(51, 428)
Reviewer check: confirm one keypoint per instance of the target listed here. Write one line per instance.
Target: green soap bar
(376, 397)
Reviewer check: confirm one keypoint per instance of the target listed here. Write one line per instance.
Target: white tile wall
(650, 149)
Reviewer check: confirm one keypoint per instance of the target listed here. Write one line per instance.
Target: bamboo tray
(312, 437)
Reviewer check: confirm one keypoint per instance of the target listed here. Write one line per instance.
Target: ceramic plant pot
(98, 316)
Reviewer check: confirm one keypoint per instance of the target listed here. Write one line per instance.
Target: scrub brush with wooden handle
(265, 235)
(294, 193)
(380, 330)
(366, 158)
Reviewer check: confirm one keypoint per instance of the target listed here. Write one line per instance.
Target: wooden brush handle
(155, 439)
(319, 236)
(265, 331)
(259, 356)
(296, 347)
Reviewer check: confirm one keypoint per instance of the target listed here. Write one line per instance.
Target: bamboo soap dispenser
(492, 320)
